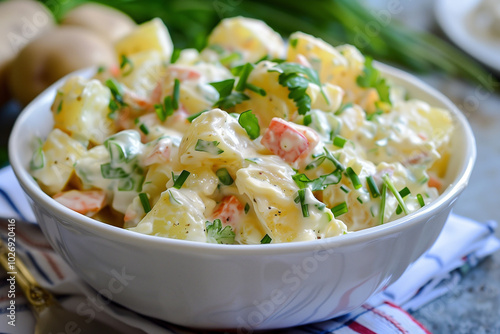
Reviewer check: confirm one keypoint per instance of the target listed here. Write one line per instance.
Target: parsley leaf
(217, 234)
(296, 78)
(208, 146)
(224, 87)
(371, 78)
(250, 123)
(227, 99)
(319, 183)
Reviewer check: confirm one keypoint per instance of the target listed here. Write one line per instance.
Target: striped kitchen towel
(431, 276)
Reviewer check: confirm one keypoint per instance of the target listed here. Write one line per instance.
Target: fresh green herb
(38, 158)
(144, 128)
(293, 42)
(109, 172)
(179, 180)
(301, 198)
(335, 162)
(224, 177)
(250, 123)
(266, 240)
(420, 200)
(176, 53)
(224, 87)
(392, 188)
(371, 117)
(345, 189)
(343, 108)
(164, 110)
(403, 192)
(172, 198)
(373, 186)
(101, 69)
(231, 100)
(124, 62)
(371, 78)
(247, 208)
(256, 89)
(59, 107)
(253, 160)
(175, 94)
(339, 141)
(354, 177)
(307, 119)
(340, 209)
(319, 183)
(245, 72)
(227, 60)
(208, 146)
(145, 202)
(194, 116)
(217, 234)
(382, 203)
(116, 90)
(113, 108)
(359, 199)
(296, 78)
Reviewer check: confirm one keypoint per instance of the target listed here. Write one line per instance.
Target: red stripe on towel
(357, 327)
(409, 316)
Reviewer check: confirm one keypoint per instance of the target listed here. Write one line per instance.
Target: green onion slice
(224, 177)
(145, 202)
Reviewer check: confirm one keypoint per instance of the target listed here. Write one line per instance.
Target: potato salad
(251, 140)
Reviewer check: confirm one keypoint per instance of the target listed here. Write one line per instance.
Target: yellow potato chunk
(149, 36)
(55, 168)
(251, 38)
(81, 109)
(178, 214)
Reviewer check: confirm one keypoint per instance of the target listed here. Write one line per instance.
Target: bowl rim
(117, 234)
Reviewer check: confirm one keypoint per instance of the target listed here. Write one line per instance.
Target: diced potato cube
(178, 214)
(151, 35)
(252, 38)
(60, 152)
(81, 109)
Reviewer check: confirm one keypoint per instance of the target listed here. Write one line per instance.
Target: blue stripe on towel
(38, 268)
(6, 196)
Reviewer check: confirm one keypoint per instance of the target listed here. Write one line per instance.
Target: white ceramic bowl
(240, 287)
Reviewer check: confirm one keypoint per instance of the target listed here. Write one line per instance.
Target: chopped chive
(345, 189)
(59, 107)
(359, 199)
(116, 89)
(124, 62)
(227, 60)
(382, 203)
(224, 177)
(247, 68)
(179, 180)
(339, 141)
(266, 240)
(399, 210)
(343, 108)
(420, 200)
(373, 186)
(101, 69)
(247, 208)
(253, 160)
(256, 89)
(176, 53)
(144, 128)
(175, 95)
(404, 192)
(371, 117)
(194, 116)
(392, 188)
(301, 197)
(38, 158)
(109, 172)
(293, 42)
(330, 157)
(224, 87)
(250, 123)
(208, 146)
(172, 198)
(354, 177)
(340, 209)
(316, 162)
(145, 202)
(160, 112)
(168, 105)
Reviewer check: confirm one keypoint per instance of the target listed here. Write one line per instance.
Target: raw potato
(107, 22)
(20, 22)
(52, 56)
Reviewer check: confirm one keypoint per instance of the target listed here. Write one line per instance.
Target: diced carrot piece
(288, 140)
(434, 182)
(229, 211)
(86, 202)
